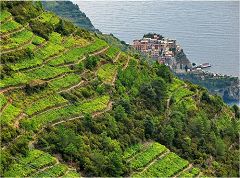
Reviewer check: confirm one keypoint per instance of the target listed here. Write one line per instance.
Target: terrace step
(126, 65)
(6, 105)
(43, 169)
(22, 46)
(14, 31)
(72, 87)
(50, 109)
(145, 146)
(20, 116)
(40, 46)
(117, 57)
(96, 114)
(184, 170)
(99, 52)
(153, 161)
(72, 63)
(6, 20)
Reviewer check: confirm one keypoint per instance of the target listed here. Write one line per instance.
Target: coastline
(168, 52)
(226, 86)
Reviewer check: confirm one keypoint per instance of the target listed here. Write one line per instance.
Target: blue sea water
(208, 31)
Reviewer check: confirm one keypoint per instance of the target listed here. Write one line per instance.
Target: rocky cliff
(70, 11)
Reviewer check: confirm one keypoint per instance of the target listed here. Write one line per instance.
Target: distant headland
(169, 52)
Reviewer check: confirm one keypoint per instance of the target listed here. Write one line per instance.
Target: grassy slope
(35, 98)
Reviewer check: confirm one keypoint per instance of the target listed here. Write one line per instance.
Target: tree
(164, 72)
(91, 62)
(236, 111)
(119, 113)
(71, 149)
(64, 27)
(115, 167)
(206, 97)
(168, 134)
(160, 88)
(220, 147)
(112, 126)
(149, 127)
(87, 121)
(42, 29)
(148, 92)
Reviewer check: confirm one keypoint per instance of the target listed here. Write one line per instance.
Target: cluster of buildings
(158, 48)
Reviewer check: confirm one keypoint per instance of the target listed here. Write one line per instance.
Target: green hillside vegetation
(74, 103)
(39, 164)
(4, 15)
(152, 159)
(70, 11)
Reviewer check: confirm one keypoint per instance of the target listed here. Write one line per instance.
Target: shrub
(205, 97)
(164, 72)
(91, 62)
(42, 29)
(64, 27)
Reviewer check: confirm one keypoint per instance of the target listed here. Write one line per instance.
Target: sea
(208, 31)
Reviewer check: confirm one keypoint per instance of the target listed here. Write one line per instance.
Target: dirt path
(5, 106)
(6, 89)
(6, 20)
(186, 169)
(55, 56)
(72, 63)
(69, 169)
(117, 57)
(23, 85)
(58, 77)
(49, 109)
(63, 121)
(168, 102)
(99, 52)
(47, 167)
(20, 116)
(199, 175)
(108, 108)
(115, 75)
(126, 65)
(72, 87)
(40, 46)
(114, 78)
(45, 61)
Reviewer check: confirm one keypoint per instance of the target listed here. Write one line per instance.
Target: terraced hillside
(39, 164)
(152, 159)
(72, 104)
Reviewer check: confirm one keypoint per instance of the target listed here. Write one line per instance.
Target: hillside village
(164, 50)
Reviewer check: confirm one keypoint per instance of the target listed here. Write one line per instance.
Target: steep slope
(70, 11)
(69, 93)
